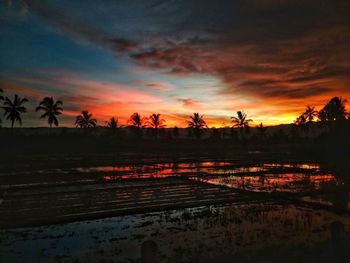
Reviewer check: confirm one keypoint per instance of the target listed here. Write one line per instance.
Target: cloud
(194, 104)
(11, 88)
(281, 53)
(258, 48)
(160, 86)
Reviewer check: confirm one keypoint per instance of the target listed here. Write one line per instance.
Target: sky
(268, 58)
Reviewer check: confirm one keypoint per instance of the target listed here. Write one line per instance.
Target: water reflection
(206, 234)
(282, 182)
(266, 177)
(299, 177)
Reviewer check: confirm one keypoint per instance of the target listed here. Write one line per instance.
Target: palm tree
(241, 121)
(301, 120)
(303, 123)
(197, 124)
(51, 110)
(13, 109)
(306, 118)
(136, 121)
(112, 123)
(113, 126)
(333, 111)
(154, 121)
(85, 120)
(310, 113)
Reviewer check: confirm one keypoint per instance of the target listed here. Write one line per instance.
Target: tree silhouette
(310, 113)
(136, 121)
(197, 124)
(51, 109)
(241, 121)
(334, 110)
(13, 109)
(113, 123)
(113, 126)
(85, 120)
(156, 122)
(306, 118)
(300, 120)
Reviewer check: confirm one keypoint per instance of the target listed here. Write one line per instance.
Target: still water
(248, 231)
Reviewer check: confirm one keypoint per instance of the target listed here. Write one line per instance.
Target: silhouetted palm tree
(241, 120)
(13, 109)
(85, 120)
(155, 121)
(113, 126)
(136, 121)
(306, 118)
(300, 120)
(310, 113)
(113, 123)
(51, 110)
(197, 124)
(333, 111)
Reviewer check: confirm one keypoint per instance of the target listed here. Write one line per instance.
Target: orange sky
(118, 58)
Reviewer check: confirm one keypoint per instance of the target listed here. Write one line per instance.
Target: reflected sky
(206, 233)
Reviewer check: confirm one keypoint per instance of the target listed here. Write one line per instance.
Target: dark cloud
(187, 102)
(271, 48)
(120, 44)
(297, 92)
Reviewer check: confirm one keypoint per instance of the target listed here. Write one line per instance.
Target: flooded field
(245, 232)
(207, 211)
(276, 174)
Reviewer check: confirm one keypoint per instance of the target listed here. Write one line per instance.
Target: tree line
(333, 111)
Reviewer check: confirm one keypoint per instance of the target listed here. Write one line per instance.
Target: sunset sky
(268, 58)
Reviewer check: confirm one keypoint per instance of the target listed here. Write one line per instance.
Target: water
(211, 233)
(187, 234)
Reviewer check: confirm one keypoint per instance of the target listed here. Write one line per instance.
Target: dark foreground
(83, 197)
(246, 207)
(253, 232)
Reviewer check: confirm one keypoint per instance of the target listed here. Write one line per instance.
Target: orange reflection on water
(321, 180)
(262, 177)
(301, 166)
(285, 182)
